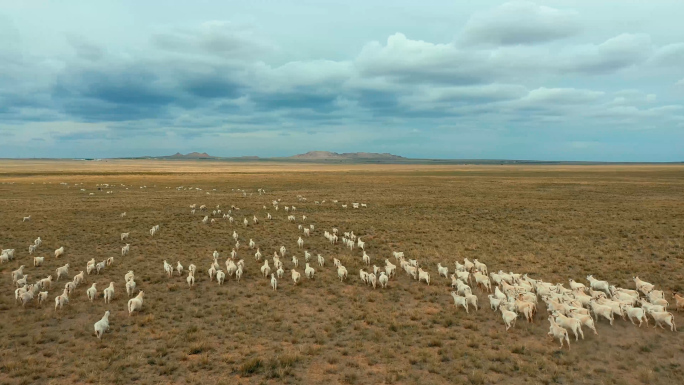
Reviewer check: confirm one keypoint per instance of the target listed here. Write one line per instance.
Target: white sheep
(191, 278)
(663, 317)
(321, 260)
(124, 236)
(92, 292)
(129, 276)
(64, 270)
(309, 271)
(79, 278)
(559, 332)
(265, 269)
(366, 258)
(109, 293)
(125, 249)
(59, 252)
(42, 297)
(220, 277)
(61, 300)
(423, 276)
(102, 325)
(300, 242)
(569, 323)
(598, 285)
(383, 279)
(179, 269)
(274, 283)
(442, 270)
(38, 261)
(130, 287)
(602, 310)
(135, 303)
(100, 266)
(341, 272)
(460, 301)
(168, 269)
(295, 276)
(239, 272)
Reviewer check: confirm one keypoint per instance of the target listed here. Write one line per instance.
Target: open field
(553, 223)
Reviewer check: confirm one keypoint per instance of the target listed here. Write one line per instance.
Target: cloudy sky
(553, 80)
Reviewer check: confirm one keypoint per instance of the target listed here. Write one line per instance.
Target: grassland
(552, 222)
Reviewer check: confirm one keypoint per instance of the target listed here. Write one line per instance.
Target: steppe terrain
(552, 222)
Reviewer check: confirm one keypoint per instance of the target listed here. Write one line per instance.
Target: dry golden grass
(554, 223)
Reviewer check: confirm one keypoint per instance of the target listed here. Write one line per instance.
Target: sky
(546, 80)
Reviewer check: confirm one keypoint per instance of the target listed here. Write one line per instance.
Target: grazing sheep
(109, 293)
(274, 283)
(92, 292)
(26, 219)
(38, 261)
(59, 252)
(102, 325)
(135, 303)
(60, 271)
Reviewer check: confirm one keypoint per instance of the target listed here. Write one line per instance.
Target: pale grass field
(554, 223)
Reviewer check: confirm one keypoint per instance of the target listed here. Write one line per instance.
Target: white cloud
(520, 22)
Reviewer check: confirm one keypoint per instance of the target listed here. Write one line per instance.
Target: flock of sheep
(513, 295)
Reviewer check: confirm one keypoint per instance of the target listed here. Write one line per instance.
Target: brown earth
(552, 222)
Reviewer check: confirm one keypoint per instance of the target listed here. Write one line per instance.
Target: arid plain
(551, 222)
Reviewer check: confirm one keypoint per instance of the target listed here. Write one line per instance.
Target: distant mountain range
(192, 155)
(309, 156)
(373, 158)
(327, 155)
